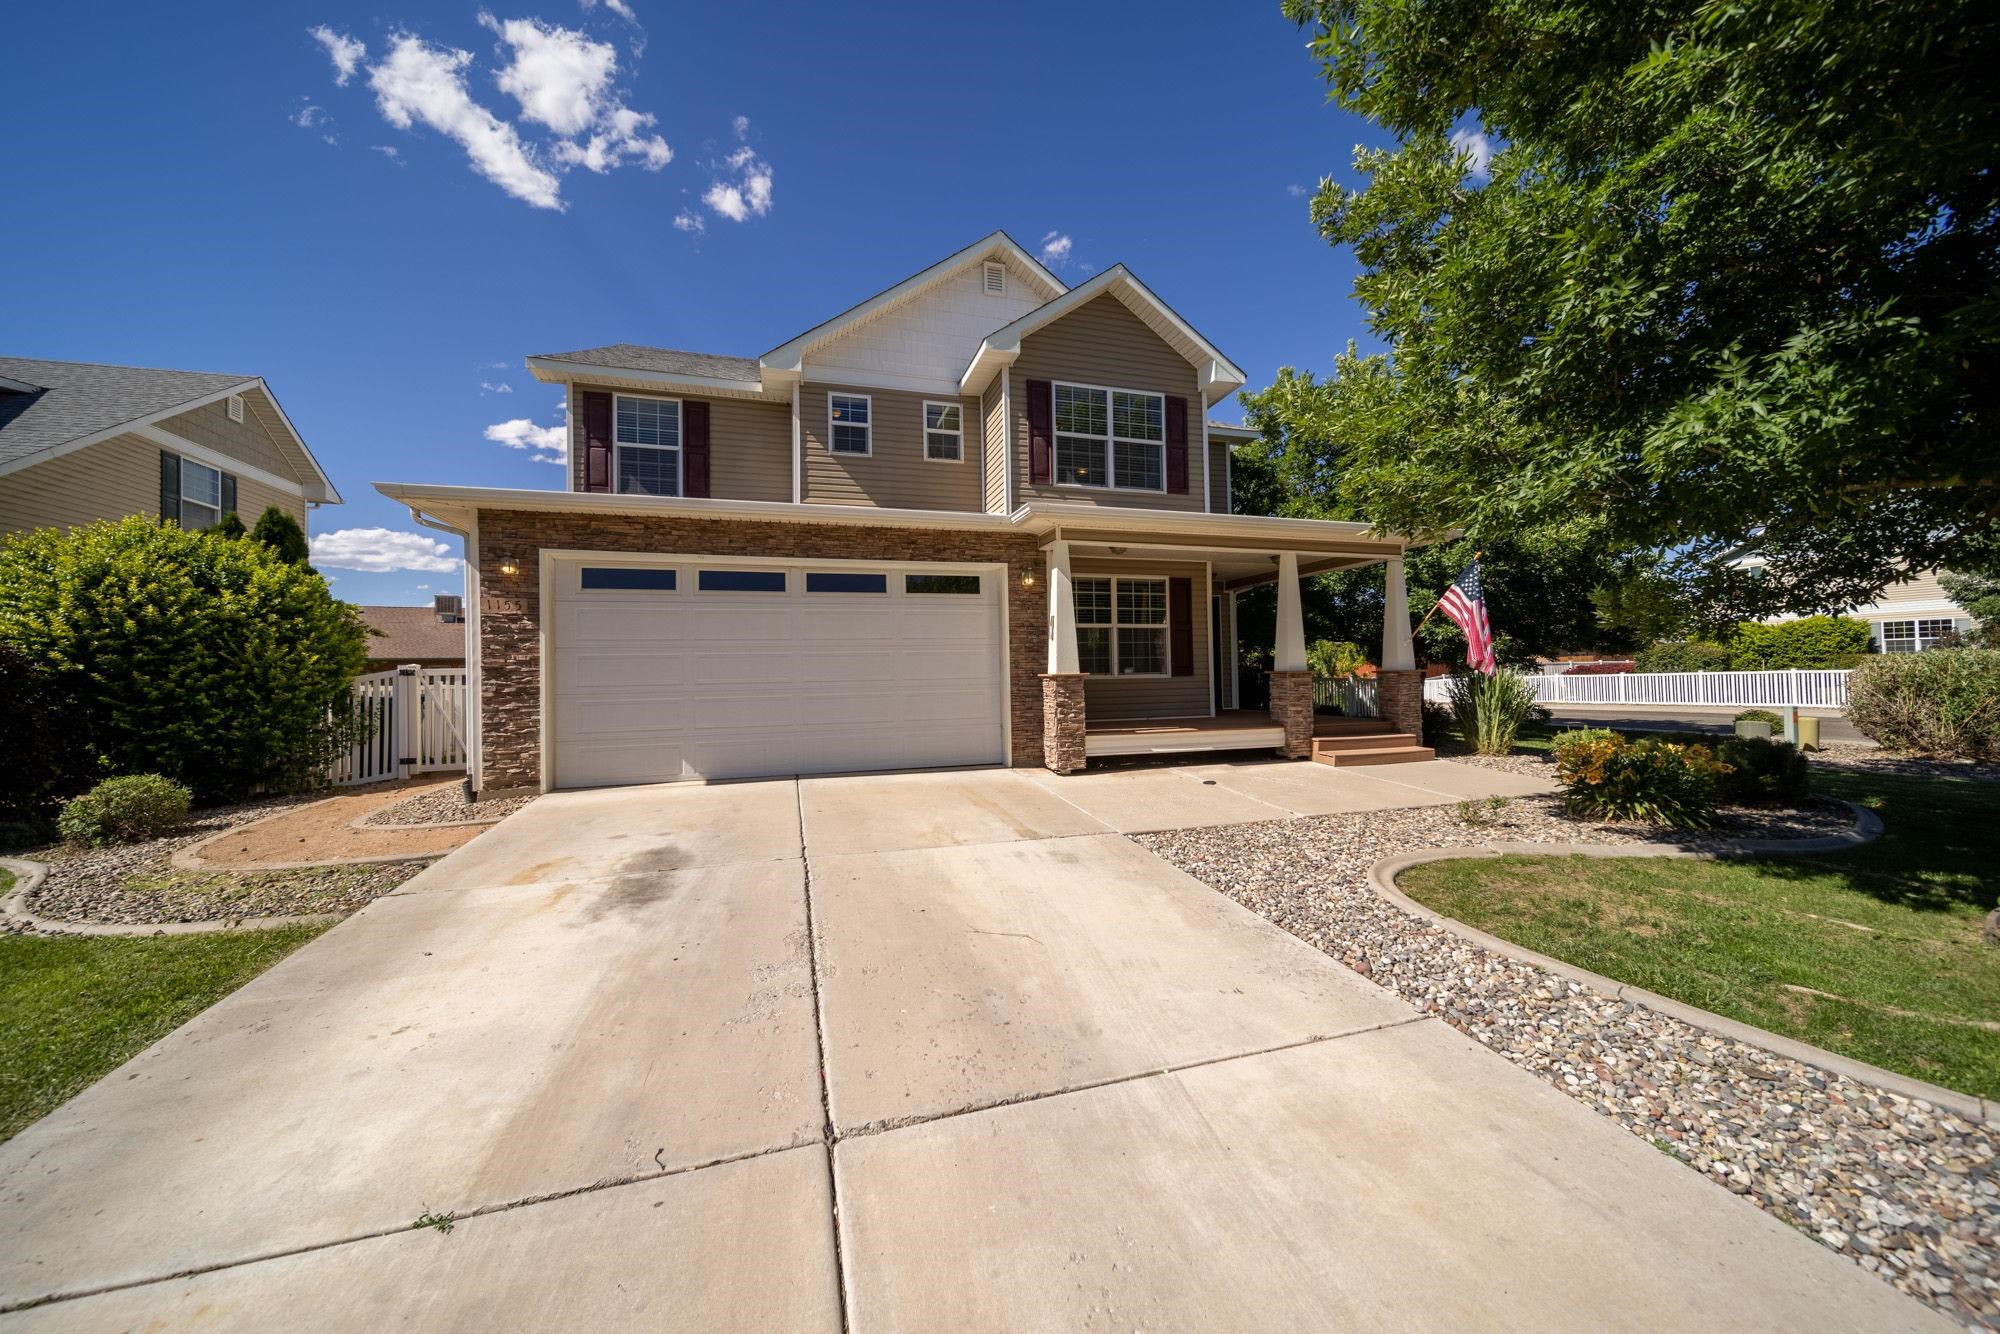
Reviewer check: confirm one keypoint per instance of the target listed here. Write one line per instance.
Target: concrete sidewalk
(647, 1045)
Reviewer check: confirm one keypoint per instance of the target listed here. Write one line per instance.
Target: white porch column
(1290, 654)
(1062, 612)
(1398, 655)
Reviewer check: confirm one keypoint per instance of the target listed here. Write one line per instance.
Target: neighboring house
(979, 518)
(432, 636)
(82, 442)
(1908, 617)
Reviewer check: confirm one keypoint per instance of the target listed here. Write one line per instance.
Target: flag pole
(1440, 602)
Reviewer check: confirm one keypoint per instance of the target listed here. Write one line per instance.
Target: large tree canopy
(1733, 279)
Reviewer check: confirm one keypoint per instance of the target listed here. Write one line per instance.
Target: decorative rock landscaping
(446, 805)
(1906, 1189)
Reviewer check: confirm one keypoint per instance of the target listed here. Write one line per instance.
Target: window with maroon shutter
(1041, 430)
(1177, 446)
(694, 449)
(646, 439)
(1180, 625)
(596, 440)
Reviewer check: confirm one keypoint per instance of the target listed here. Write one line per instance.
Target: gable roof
(660, 360)
(412, 634)
(789, 358)
(65, 405)
(1219, 376)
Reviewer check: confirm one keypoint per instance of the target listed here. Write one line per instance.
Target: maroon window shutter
(694, 449)
(1180, 625)
(1177, 469)
(596, 440)
(1041, 431)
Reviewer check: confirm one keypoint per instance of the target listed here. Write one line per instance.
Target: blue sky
(218, 195)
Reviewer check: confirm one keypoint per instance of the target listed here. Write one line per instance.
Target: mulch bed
(1906, 1190)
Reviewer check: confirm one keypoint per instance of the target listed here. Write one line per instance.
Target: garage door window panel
(822, 581)
(647, 438)
(740, 581)
(948, 585)
(627, 579)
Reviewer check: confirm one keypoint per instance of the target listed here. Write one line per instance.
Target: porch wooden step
(1351, 727)
(1375, 755)
(1343, 741)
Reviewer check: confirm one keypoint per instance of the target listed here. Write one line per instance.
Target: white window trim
(1111, 440)
(928, 430)
(1916, 638)
(868, 426)
(181, 518)
(680, 462)
(1165, 626)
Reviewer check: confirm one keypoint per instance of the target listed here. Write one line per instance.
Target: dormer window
(995, 278)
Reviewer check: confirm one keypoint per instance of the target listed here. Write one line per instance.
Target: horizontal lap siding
(1103, 343)
(510, 643)
(110, 480)
(896, 475)
(1218, 477)
(749, 444)
(1111, 697)
(993, 452)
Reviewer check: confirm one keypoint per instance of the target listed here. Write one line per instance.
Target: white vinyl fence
(409, 721)
(1352, 695)
(1696, 690)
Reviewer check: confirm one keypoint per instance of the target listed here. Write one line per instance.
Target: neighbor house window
(1121, 626)
(849, 424)
(1912, 636)
(201, 495)
(944, 432)
(647, 437)
(1110, 437)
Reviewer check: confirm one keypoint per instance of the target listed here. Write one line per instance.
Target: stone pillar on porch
(1399, 687)
(1063, 720)
(1291, 678)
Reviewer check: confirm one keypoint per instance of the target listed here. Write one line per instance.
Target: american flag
(1465, 603)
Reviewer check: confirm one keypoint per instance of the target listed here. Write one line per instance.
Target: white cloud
(421, 82)
(563, 79)
(742, 126)
(380, 550)
(1476, 149)
(345, 52)
(1297, 191)
(618, 7)
(387, 151)
(1055, 249)
(501, 388)
(687, 220)
(309, 116)
(749, 195)
(550, 444)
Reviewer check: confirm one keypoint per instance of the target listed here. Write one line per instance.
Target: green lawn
(1889, 932)
(74, 1007)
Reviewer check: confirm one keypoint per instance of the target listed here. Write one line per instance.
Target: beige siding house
(978, 518)
(82, 442)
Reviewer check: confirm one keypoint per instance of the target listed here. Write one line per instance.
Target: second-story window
(201, 495)
(848, 424)
(648, 442)
(944, 433)
(1111, 438)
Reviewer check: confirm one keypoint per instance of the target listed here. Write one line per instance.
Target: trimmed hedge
(1810, 643)
(206, 659)
(1683, 655)
(1943, 701)
(126, 810)
(1762, 772)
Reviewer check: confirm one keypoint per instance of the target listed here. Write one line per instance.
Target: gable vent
(236, 407)
(996, 279)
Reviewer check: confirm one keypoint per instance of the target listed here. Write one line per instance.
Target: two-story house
(81, 442)
(979, 518)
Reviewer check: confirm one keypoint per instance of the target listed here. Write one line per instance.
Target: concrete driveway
(912, 1051)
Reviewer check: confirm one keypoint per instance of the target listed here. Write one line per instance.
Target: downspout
(798, 450)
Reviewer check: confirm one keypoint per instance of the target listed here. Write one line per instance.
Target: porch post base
(1399, 700)
(1292, 709)
(1063, 722)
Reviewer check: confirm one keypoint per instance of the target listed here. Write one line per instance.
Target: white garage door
(708, 668)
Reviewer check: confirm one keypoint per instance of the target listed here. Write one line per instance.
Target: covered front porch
(1142, 648)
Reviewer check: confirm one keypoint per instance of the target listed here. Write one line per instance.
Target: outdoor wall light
(1027, 578)
(509, 567)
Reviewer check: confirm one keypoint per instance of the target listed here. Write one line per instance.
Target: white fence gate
(1687, 690)
(410, 721)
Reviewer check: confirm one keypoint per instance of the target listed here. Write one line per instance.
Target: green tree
(205, 659)
(1809, 643)
(228, 525)
(1734, 279)
(1975, 586)
(281, 532)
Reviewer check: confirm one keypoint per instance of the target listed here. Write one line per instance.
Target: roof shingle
(665, 360)
(412, 634)
(75, 399)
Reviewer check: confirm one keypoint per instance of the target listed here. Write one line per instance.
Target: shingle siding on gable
(749, 445)
(929, 339)
(1103, 343)
(896, 475)
(245, 440)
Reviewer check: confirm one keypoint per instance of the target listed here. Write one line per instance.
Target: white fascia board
(167, 440)
(790, 356)
(908, 384)
(1219, 376)
(551, 370)
(126, 427)
(327, 494)
(1235, 435)
(447, 501)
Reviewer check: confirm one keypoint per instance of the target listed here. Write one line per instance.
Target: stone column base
(1292, 709)
(1062, 722)
(1399, 701)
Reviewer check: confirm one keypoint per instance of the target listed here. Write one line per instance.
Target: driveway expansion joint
(828, 1135)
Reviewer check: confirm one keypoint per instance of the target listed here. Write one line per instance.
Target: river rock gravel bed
(1905, 1189)
(446, 804)
(135, 884)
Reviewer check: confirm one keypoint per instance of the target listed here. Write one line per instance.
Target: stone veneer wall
(1292, 709)
(510, 641)
(1063, 724)
(1399, 700)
